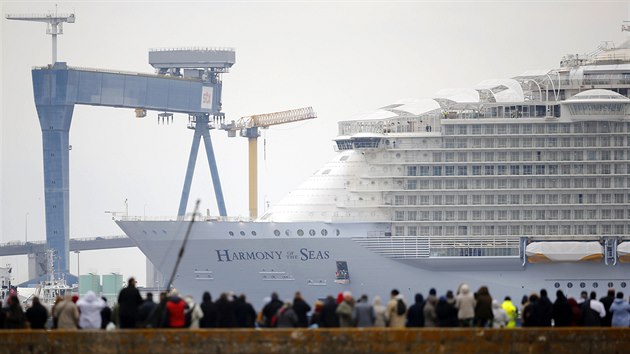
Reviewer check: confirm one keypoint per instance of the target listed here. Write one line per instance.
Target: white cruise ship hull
(258, 265)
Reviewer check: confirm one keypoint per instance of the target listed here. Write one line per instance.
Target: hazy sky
(339, 57)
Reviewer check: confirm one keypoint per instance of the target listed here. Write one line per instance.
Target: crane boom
(269, 119)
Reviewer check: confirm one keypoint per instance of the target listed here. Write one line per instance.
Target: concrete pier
(306, 341)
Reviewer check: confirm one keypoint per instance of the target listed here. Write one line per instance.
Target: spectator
(499, 316)
(129, 300)
(396, 312)
(158, 317)
(301, 309)
(483, 307)
(209, 319)
(37, 314)
(67, 313)
(363, 313)
(430, 315)
(271, 309)
(620, 310)
(511, 311)
(244, 312)
(174, 314)
(345, 309)
(193, 313)
(315, 318)
(328, 317)
(607, 301)
(465, 303)
(106, 314)
(415, 314)
(380, 317)
(286, 316)
(576, 313)
(2, 316)
(14, 315)
(145, 311)
(529, 311)
(90, 307)
(544, 309)
(561, 313)
(446, 311)
(593, 312)
(226, 316)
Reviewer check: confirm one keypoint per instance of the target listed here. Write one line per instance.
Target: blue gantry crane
(188, 80)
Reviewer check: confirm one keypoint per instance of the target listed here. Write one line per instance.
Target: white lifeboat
(564, 251)
(623, 251)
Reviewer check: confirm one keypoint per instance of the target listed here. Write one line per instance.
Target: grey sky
(340, 58)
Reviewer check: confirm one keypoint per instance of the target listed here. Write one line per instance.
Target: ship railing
(185, 218)
(410, 247)
(426, 123)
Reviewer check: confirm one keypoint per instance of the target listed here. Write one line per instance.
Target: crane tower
(54, 26)
(249, 127)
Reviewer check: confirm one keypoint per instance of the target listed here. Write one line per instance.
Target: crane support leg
(253, 177)
(214, 172)
(202, 130)
(192, 159)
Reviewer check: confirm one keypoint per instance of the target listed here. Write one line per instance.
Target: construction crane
(54, 25)
(249, 127)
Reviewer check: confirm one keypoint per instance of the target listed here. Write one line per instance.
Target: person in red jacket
(175, 308)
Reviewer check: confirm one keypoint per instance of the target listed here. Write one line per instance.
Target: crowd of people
(462, 308)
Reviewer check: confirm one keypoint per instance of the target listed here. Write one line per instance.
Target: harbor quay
(307, 341)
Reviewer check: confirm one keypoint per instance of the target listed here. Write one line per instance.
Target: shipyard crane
(249, 127)
(54, 25)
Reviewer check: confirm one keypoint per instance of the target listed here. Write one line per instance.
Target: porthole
(610, 284)
(253, 233)
(300, 232)
(276, 232)
(569, 285)
(595, 284)
(623, 284)
(337, 232)
(556, 285)
(324, 232)
(242, 233)
(582, 285)
(287, 232)
(311, 232)
(231, 233)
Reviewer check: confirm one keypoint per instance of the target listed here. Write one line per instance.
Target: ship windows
(253, 233)
(311, 232)
(300, 232)
(242, 233)
(324, 232)
(569, 285)
(287, 232)
(231, 233)
(556, 285)
(276, 232)
(623, 284)
(582, 285)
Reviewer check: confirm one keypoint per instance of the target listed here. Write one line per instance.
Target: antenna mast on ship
(54, 25)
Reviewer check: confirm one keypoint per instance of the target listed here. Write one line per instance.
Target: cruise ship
(517, 184)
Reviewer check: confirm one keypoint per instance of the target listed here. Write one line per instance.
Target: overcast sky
(339, 57)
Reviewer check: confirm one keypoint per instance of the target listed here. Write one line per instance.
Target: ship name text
(304, 254)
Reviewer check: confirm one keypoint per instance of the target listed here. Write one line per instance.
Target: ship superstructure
(517, 183)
